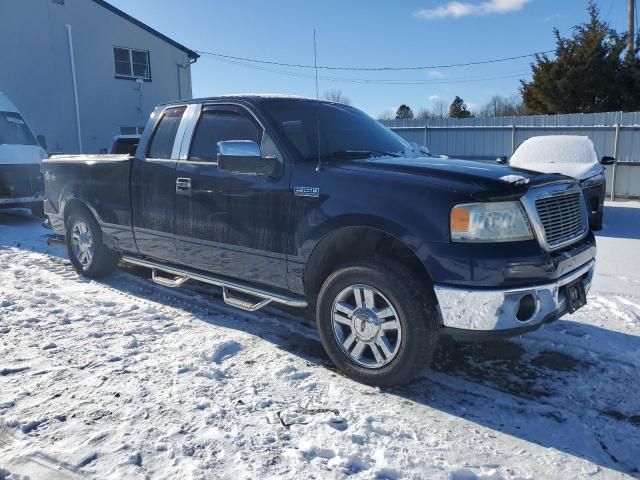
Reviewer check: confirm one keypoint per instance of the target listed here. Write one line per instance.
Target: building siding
(35, 71)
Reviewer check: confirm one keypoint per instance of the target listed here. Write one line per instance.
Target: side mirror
(244, 157)
(502, 160)
(42, 141)
(607, 160)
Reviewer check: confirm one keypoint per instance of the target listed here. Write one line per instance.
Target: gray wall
(489, 138)
(35, 71)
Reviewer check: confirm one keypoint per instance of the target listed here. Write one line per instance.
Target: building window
(132, 63)
(131, 130)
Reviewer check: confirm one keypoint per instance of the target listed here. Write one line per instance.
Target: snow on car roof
(555, 149)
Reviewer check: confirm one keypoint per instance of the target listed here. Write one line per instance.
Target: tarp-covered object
(570, 155)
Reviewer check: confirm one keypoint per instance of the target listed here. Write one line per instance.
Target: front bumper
(7, 202)
(469, 312)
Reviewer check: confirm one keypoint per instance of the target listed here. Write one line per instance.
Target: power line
(370, 69)
(378, 81)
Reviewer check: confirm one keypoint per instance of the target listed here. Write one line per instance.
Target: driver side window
(220, 125)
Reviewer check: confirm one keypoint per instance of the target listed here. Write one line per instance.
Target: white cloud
(435, 74)
(433, 98)
(458, 9)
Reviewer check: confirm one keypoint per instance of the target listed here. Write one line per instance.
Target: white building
(82, 71)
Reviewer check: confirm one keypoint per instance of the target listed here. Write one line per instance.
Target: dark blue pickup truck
(302, 202)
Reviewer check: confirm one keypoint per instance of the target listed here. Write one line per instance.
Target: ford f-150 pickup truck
(303, 202)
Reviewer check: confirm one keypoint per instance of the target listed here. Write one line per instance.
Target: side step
(54, 239)
(181, 275)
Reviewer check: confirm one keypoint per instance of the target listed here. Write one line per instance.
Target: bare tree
(337, 96)
(387, 115)
(424, 114)
(440, 109)
(500, 106)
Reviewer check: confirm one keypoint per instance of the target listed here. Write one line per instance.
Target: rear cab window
(164, 136)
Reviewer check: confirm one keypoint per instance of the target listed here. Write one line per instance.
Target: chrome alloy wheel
(82, 244)
(366, 326)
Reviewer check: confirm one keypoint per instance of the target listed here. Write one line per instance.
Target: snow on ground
(126, 379)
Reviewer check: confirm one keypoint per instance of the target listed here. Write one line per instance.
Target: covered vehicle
(21, 183)
(571, 155)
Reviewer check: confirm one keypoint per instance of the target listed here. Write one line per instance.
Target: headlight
(489, 222)
(592, 181)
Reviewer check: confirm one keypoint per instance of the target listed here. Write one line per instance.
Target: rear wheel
(377, 323)
(88, 254)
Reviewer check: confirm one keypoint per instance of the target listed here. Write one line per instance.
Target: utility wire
(379, 81)
(370, 69)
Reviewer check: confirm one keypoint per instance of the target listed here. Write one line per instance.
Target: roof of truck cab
(246, 97)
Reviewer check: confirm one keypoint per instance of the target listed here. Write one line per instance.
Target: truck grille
(20, 180)
(562, 218)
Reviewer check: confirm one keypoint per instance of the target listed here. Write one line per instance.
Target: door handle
(183, 186)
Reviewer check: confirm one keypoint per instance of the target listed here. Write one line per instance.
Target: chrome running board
(242, 304)
(167, 282)
(182, 275)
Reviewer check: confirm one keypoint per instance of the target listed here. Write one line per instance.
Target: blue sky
(364, 34)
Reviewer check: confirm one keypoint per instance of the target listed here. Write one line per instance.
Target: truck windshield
(327, 130)
(14, 131)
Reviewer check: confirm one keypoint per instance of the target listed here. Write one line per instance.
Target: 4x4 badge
(313, 192)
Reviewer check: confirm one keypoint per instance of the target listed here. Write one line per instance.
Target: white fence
(616, 134)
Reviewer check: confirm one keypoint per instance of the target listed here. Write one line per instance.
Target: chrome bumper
(21, 200)
(495, 310)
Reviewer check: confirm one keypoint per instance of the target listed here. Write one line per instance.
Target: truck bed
(88, 158)
(101, 181)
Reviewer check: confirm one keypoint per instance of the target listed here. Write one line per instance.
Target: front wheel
(88, 255)
(377, 322)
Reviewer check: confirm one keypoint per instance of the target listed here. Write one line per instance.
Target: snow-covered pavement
(126, 379)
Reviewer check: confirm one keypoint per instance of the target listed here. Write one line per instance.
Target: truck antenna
(315, 61)
(315, 66)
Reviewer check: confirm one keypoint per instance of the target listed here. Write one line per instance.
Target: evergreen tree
(458, 109)
(404, 112)
(587, 75)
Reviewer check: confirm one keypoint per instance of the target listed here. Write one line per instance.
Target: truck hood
(489, 179)
(21, 154)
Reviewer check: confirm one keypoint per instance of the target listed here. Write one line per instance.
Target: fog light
(526, 308)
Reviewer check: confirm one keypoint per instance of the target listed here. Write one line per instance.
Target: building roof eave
(192, 54)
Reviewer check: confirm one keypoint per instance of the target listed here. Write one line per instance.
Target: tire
(408, 350)
(84, 235)
(37, 209)
(596, 222)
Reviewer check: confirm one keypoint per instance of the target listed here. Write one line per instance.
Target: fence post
(615, 155)
(424, 140)
(513, 139)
